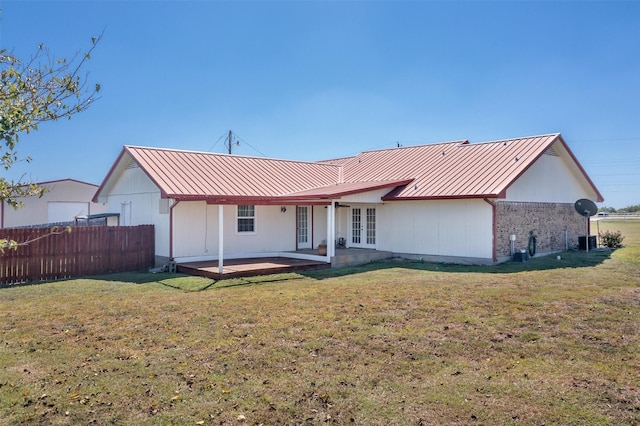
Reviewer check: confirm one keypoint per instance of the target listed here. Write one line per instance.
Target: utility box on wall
(592, 243)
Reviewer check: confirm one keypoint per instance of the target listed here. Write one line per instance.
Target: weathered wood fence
(83, 251)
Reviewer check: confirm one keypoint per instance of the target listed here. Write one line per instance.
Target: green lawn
(543, 342)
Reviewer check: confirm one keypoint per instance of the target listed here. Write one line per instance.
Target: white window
(246, 221)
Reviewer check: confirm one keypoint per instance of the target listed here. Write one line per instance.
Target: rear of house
(453, 201)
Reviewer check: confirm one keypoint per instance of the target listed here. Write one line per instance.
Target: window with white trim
(246, 219)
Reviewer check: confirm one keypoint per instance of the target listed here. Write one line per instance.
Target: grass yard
(553, 342)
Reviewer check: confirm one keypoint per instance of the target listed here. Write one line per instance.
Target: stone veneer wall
(548, 221)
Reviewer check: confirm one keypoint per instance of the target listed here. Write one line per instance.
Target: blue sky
(311, 80)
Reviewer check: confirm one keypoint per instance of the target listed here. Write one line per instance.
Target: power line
(249, 145)
(605, 140)
(222, 136)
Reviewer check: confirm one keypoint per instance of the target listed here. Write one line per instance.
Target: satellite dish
(586, 207)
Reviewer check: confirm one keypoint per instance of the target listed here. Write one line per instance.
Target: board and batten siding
(343, 211)
(193, 226)
(138, 201)
(370, 197)
(195, 233)
(343, 219)
(448, 228)
(548, 180)
(319, 225)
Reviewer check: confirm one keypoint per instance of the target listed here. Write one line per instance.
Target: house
(453, 202)
(63, 201)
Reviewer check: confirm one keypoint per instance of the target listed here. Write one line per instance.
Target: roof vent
(551, 152)
(132, 165)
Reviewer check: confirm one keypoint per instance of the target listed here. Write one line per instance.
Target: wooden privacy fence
(84, 251)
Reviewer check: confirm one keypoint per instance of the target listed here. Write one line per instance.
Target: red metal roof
(454, 169)
(343, 189)
(444, 170)
(198, 175)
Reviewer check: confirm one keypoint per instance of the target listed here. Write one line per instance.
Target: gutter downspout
(171, 228)
(494, 220)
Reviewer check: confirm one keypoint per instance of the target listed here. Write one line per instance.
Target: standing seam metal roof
(196, 174)
(444, 170)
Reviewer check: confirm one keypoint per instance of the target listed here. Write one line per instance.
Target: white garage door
(65, 211)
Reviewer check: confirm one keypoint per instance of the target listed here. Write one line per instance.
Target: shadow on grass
(193, 283)
(569, 259)
(176, 281)
(189, 283)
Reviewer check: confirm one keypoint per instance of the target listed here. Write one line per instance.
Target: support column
(220, 238)
(331, 231)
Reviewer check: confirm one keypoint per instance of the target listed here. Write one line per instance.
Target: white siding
(366, 197)
(190, 228)
(196, 231)
(319, 225)
(342, 222)
(548, 180)
(137, 196)
(460, 228)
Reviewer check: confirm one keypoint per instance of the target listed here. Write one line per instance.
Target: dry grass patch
(545, 342)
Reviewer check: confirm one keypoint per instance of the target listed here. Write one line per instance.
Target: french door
(363, 227)
(303, 227)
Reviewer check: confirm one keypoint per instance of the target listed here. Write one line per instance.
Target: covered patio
(235, 268)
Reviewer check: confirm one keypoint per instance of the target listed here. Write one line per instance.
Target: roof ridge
(514, 139)
(458, 142)
(188, 151)
(64, 180)
(346, 157)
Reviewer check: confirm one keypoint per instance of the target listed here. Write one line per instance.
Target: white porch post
(331, 231)
(220, 238)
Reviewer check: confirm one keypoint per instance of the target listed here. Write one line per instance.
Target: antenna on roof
(230, 142)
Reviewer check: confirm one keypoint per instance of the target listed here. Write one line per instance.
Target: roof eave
(108, 176)
(599, 196)
(558, 138)
(253, 200)
(116, 165)
(440, 197)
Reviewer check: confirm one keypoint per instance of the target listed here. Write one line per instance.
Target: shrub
(611, 239)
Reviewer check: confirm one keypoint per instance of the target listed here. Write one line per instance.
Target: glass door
(363, 227)
(303, 228)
